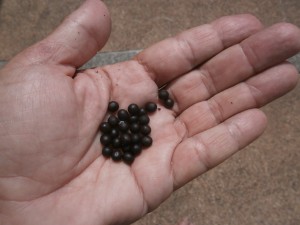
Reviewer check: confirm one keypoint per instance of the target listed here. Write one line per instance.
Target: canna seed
(113, 106)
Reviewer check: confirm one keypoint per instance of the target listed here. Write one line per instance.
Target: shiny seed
(150, 107)
(113, 106)
(133, 109)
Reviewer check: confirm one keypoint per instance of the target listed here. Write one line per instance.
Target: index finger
(175, 56)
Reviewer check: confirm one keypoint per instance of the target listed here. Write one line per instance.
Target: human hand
(51, 167)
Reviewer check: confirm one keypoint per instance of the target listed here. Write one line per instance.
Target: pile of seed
(127, 132)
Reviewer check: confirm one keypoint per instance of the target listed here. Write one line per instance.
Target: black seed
(113, 106)
(128, 157)
(169, 103)
(125, 139)
(133, 119)
(126, 148)
(145, 129)
(136, 138)
(116, 155)
(116, 143)
(146, 141)
(142, 111)
(123, 126)
(150, 107)
(123, 115)
(134, 127)
(107, 151)
(144, 119)
(133, 109)
(136, 149)
(113, 120)
(114, 133)
(105, 127)
(105, 139)
(163, 94)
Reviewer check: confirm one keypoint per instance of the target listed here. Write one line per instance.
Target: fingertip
(75, 41)
(288, 32)
(244, 24)
(94, 16)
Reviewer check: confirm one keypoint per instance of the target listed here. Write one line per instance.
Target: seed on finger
(150, 107)
(105, 127)
(163, 94)
(113, 106)
(169, 103)
(106, 151)
(128, 157)
(133, 109)
(117, 155)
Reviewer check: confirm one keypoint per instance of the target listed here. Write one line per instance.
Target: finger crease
(141, 190)
(186, 49)
(253, 92)
(216, 110)
(208, 82)
(147, 69)
(201, 150)
(253, 54)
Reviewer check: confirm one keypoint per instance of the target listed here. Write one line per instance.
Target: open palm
(51, 167)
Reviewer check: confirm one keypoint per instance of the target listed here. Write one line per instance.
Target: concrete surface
(260, 184)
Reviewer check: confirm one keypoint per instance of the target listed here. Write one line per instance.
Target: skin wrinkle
(208, 81)
(254, 92)
(151, 73)
(186, 49)
(181, 138)
(141, 190)
(107, 75)
(253, 54)
(216, 110)
(201, 149)
(233, 129)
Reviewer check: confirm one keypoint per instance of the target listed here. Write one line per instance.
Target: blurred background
(258, 185)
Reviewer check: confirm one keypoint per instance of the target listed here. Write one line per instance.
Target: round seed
(105, 139)
(146, 141)
(116, 155)
(114, 133)
(136, 149)
(169, 103)
(144, 119)
(126, 148)
(113, 120)
(116, 143)
(134, 127)
(123, 126)
(163, 94)
(125, 139)
(136, 138)
(142, 111)
(113, 106)
(106, 151)
(105, 127)
(150, 107)
(128, 157)
(133, 119)
(123, 115)
(133, 109)
(145, 129)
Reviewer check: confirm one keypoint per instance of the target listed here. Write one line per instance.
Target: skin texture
(51, 167)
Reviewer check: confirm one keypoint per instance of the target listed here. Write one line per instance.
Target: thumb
(75, 41)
